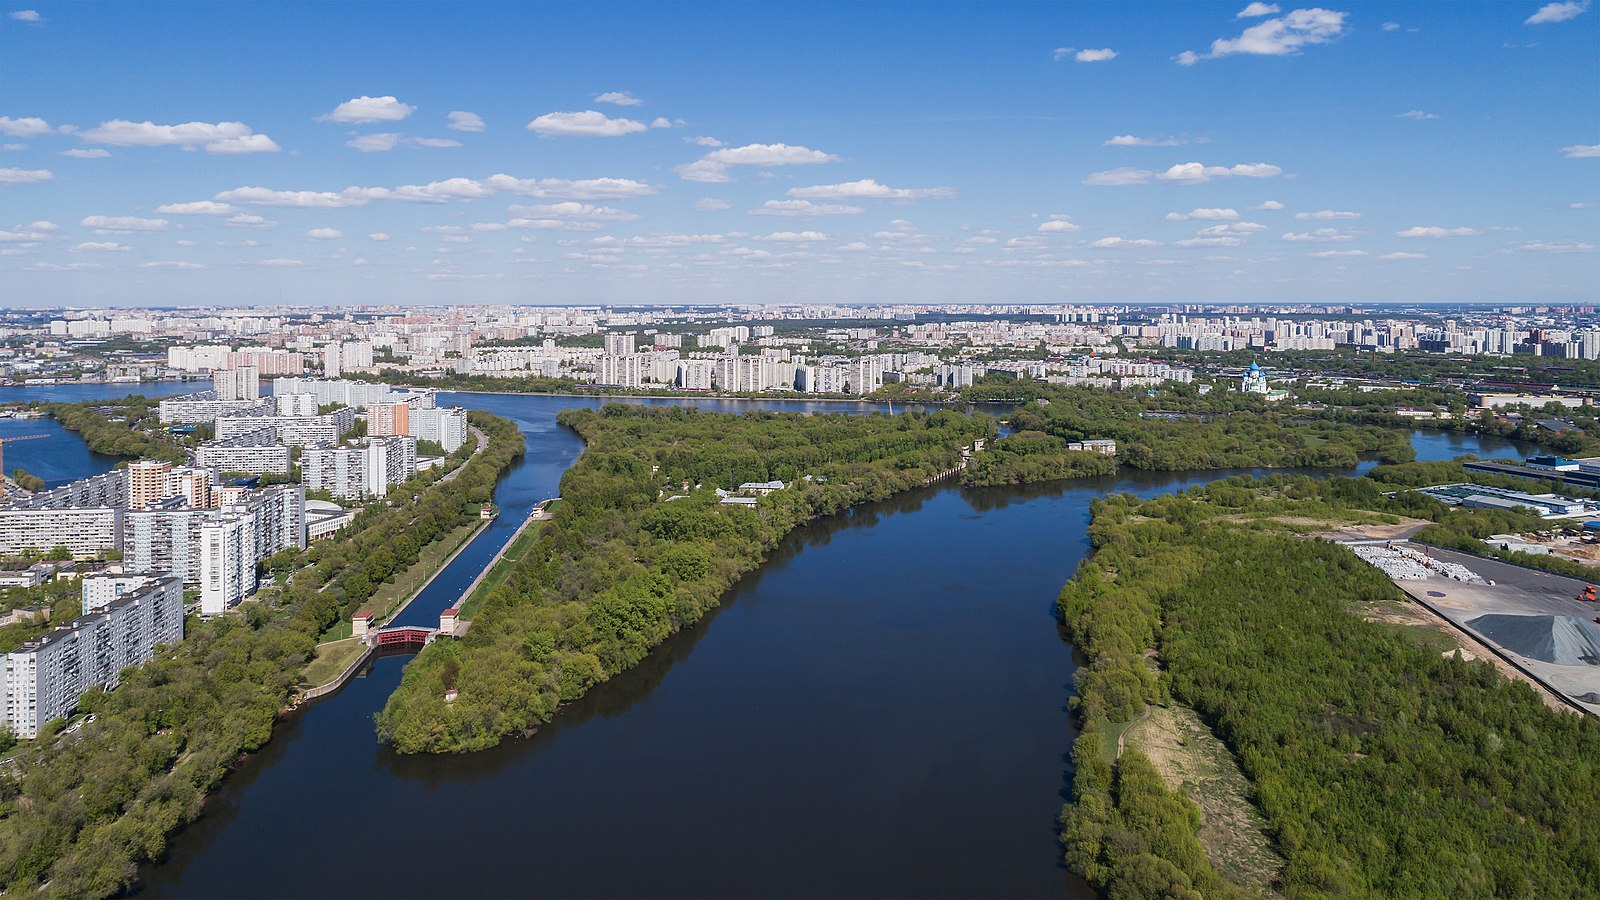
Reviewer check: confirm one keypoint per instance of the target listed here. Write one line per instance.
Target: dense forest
(1381, 766)
(77, 814)
(623, 564)
(1176, 428)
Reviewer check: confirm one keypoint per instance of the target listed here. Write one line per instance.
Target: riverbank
(1357, 737)
(175, 728)
(623, 568)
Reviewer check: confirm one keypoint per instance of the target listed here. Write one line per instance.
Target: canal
(880, 710)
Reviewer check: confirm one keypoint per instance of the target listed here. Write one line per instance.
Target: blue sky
(618, 153)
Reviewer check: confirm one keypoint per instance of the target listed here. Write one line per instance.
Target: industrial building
(1478, 496)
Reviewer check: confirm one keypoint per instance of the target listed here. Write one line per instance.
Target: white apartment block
(297, 430)
(43, 679)
(695, 374)
(242, 383)
(85, 531)
(227, 563)
(446, 425)
(100, 590)
(296, 404)
(196, 409)
(258, 452)
(357, 471)
(356, 394)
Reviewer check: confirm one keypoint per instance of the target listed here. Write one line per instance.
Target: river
(880, 710)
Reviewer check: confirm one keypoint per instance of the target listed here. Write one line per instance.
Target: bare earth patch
(1192, 759)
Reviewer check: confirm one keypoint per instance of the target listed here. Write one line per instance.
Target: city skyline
(629, 154)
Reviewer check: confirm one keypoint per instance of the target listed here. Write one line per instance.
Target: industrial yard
(1533, 620)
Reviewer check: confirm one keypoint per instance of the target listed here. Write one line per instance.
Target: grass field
(331, 659)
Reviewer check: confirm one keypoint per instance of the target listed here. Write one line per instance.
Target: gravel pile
(1562, 640)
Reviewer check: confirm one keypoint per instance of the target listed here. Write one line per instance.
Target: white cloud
(171, 264)
(1213, 214)
(80, 153)
(26, 15)
(437, 143)
(1257, 9)
(868, 189)
(324, 234)
(1416, 114)
(1095, 55)
(1228, 228)
(123, 224)
(564, 189)
(55, 267)
(1276, 37)
(279, 262)
(1120, 176)
(450, 189)
(1557, 12)
(101, 246)
(1327, 214)
(378, 236)
(1581, 151)
(24, 128)
(803, 208)
(196, 208)
(710, 204)
(1390, 26)
(588, 123)
(24, 176)
(713, 167)
(374, 143)
(661, 122)
(1556, 247)
(1337, 254)
(1058, 225)
(260, 196)
(1434, 231)
(1211, 241)
(620, 98)
(794, 237)
(221, 137)
(363, 110)
(1402, 255)
(1182, 173)
(703, 141)
(245, 220)
(1320, 236)
(10, 147)
(1122, 243)
(465, 121)
(1129, 140)
(571, 210)
(1269, 204)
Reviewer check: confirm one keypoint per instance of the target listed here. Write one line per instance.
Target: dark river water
(880, 710)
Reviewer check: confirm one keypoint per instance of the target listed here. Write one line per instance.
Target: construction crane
(7, 440)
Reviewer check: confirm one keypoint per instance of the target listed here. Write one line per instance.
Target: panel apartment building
(43, 679)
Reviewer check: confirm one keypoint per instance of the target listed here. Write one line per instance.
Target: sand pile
(1562, 640)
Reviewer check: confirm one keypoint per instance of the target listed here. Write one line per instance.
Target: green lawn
(330, 660)
(502, 569)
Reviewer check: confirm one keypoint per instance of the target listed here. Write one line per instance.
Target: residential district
(266, 470)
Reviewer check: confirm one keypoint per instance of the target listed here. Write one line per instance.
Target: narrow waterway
(879, 711)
